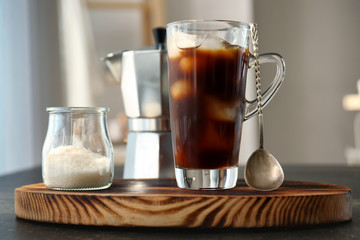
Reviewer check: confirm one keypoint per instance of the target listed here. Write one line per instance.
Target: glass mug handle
(268, 94)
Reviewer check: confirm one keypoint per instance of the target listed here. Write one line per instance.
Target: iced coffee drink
(207, 67)
(207, 84)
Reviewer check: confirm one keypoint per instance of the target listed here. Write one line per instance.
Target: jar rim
(77, 109)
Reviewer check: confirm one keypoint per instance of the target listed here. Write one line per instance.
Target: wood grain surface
(159, 203)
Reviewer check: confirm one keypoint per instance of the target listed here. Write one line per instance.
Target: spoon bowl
(263, 172)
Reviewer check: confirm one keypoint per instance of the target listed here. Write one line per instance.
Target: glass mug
(207, 66)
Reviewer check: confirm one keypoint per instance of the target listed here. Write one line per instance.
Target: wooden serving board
(159, 203)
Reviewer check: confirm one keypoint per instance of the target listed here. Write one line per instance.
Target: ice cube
(221, 110)
(179, 40)
(181, 89)
(213, 42)
(186, 65)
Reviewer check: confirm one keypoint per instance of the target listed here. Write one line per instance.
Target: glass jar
(77, 152)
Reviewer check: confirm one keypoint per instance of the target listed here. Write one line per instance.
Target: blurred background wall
(30, 79)
(304, 124)
(320, 42)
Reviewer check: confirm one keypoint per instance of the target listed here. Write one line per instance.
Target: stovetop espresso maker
(144, 85)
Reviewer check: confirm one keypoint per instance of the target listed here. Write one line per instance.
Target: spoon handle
(254, 38)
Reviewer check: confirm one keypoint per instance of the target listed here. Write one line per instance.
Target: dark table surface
(14, 228)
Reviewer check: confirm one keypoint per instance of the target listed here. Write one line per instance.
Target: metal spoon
(262, 171)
